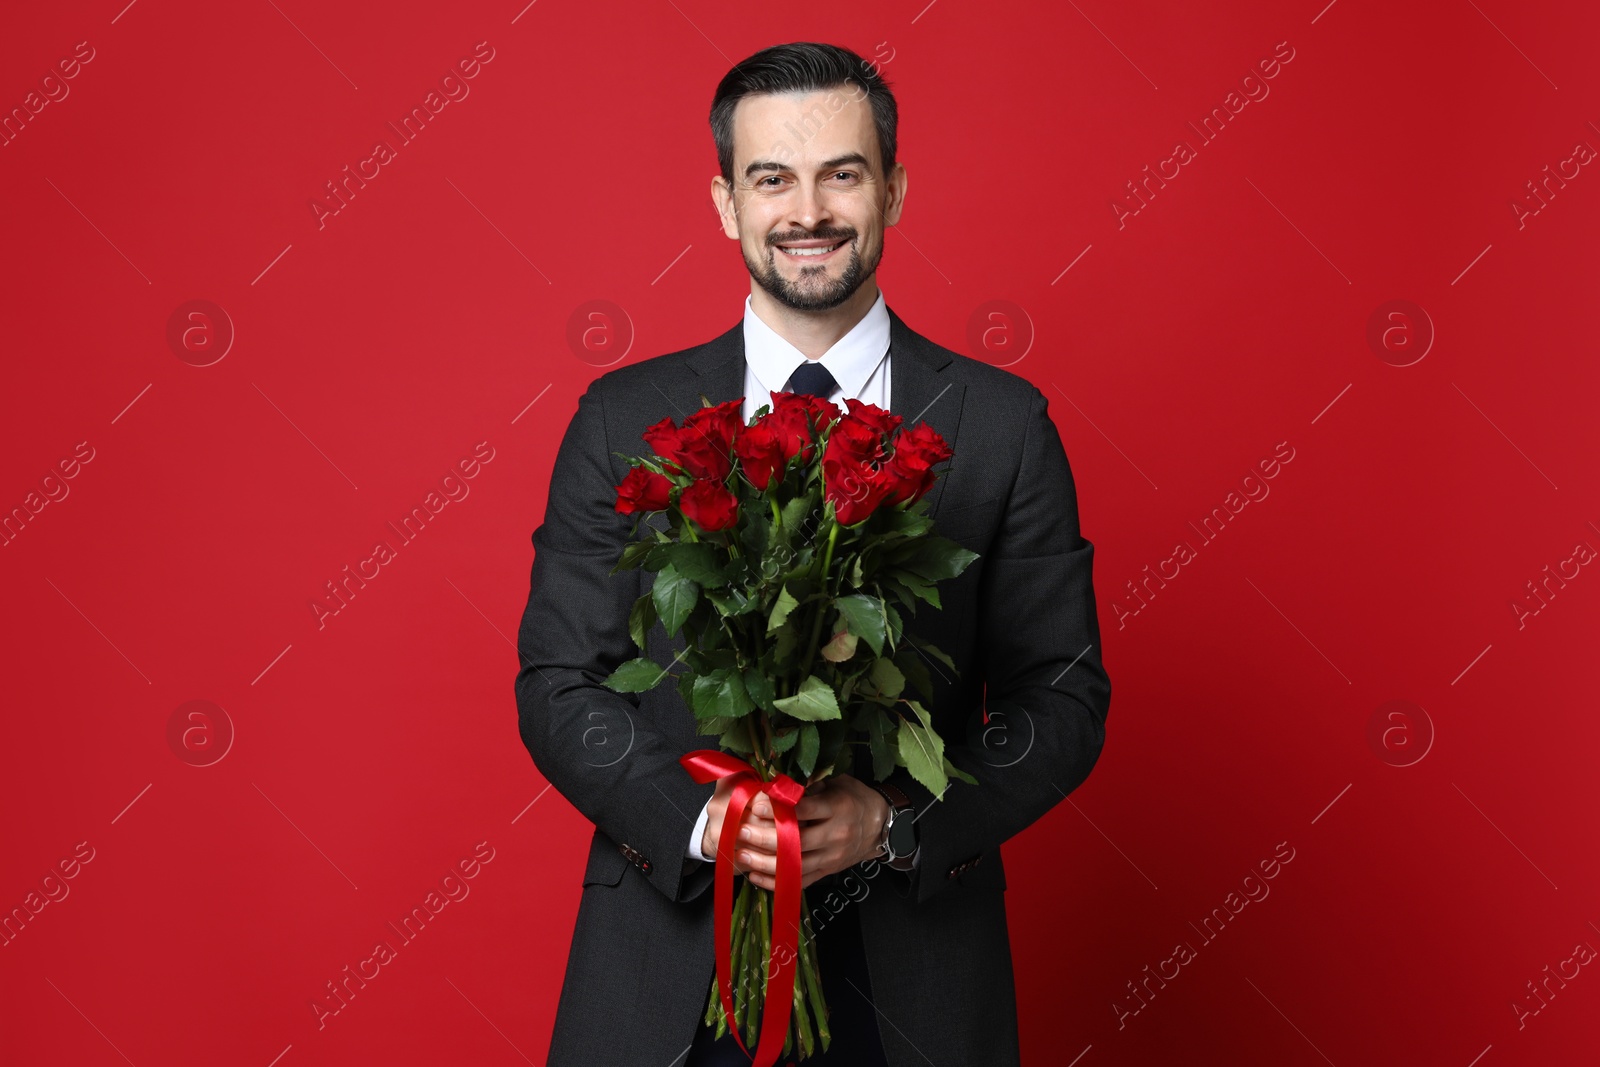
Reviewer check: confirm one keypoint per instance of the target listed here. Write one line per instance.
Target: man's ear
(727, 210)
(896, 199)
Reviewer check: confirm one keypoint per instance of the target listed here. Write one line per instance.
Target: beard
(814, 290)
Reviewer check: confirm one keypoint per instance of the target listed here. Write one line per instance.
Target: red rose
(700, 448)
(856, 488)
(821, 410)
(874, 416)
(760, 448)
(710, 505)
(643, 490)
(856, 440)
(915, 452)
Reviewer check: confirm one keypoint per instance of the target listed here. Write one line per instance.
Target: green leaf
(840, 647)
(814, 701)
(915, 670)
(720, 694)
(886, 677)
(780, 610)
(883, 762)
(806, 758)
(758, 684)
(635, 676)
(675, 596)
(938, 558)
(917, 586)
(784, 740)
(697, 561)
(922, 750)
(933, 651)
(633, 554)
(956, 772)
(863, 615)
(640, 620)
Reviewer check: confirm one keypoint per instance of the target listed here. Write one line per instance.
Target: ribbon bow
(707, 765)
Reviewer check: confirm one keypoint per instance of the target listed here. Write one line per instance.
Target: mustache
(823, 235)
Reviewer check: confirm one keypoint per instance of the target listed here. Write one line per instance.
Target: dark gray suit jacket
(1020, 624)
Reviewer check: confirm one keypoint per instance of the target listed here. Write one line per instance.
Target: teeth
(811, 251)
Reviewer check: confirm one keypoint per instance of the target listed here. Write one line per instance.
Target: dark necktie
(811, 378)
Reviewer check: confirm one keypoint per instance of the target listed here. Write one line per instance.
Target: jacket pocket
(606, 861)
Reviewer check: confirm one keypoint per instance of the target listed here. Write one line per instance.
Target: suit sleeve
(1047, 692)
(594, 745)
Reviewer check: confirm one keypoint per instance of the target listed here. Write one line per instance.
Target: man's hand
(841, 823)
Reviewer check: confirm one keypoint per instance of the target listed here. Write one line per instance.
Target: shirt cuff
(694, 852)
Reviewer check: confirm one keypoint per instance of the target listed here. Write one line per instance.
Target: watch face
(903, 836)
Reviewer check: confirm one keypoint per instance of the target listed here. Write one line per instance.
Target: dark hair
(802, 66)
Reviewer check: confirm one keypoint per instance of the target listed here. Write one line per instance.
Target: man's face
(809, 203)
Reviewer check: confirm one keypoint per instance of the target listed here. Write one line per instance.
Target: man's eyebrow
(759, 165)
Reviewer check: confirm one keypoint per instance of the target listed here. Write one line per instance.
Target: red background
(372, 353)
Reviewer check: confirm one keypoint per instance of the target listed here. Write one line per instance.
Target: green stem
(823, 604)
(819, 1005)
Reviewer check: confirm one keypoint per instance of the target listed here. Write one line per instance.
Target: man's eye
(846, 173)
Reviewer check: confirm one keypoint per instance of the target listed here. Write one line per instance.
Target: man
(916, 962)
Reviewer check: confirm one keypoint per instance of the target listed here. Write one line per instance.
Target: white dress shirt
(859, 362)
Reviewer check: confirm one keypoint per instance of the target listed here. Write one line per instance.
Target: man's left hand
(841, 824)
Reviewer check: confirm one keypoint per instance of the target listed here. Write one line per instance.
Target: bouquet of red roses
(791, 546)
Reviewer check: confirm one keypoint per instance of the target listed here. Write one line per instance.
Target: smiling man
(907, 889)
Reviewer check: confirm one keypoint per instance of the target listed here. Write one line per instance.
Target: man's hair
(802, 67)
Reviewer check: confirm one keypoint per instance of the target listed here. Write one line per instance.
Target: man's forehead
(802, 130)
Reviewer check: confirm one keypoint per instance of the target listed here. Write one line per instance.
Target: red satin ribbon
(709, 765)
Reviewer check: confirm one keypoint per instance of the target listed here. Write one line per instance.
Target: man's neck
(813, 332)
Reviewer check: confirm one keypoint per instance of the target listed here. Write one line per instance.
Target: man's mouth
(812, 249)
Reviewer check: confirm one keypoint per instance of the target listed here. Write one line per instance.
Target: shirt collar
(851, 360)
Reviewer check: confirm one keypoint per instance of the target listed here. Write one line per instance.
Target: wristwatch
(899, 838)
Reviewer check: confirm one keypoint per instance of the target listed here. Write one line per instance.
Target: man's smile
(812, 249)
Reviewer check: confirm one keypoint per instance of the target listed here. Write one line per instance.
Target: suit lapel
(919, 391)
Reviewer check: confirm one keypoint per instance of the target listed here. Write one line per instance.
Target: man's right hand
(757, 814)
